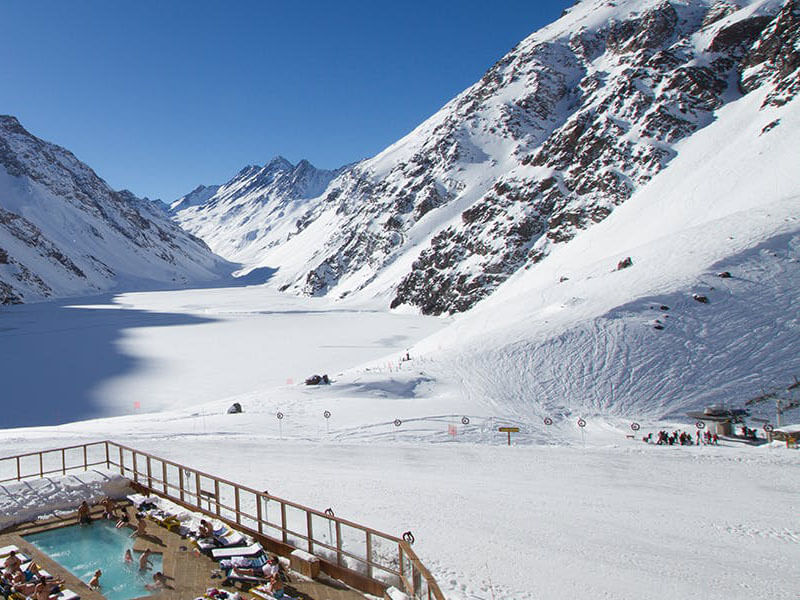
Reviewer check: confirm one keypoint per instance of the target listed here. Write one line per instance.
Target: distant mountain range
(65, 232)
(557, 134)
(239, 218)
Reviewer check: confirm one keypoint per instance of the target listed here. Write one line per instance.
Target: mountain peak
(279, 163)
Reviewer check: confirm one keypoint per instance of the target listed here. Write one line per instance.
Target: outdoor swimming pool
(82, 549)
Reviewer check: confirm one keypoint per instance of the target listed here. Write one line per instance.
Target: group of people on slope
(683, 438)
(28, 582)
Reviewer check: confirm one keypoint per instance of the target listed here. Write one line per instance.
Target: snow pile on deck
(50, 496)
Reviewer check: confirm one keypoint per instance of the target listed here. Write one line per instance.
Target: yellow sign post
(509, 431)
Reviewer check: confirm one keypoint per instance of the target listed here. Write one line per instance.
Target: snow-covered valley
(611, 218)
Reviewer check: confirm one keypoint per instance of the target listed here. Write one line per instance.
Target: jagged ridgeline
(559, 132)
(65, 232)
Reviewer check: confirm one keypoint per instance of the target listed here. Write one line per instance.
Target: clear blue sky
(161, 96)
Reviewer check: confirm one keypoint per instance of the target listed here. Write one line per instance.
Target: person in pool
(84, 518)
(94, 582)
(109, 508)
(128, 558)
(123, 520)
(159, 582)
(144, 560)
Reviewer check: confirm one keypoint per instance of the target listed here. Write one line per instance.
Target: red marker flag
(137, 405)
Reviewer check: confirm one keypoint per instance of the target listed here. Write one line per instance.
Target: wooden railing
(365, 558)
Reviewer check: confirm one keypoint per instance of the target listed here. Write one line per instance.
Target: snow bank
(42, 498)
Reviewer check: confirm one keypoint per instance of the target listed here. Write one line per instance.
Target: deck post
(180, 481)
(197, 487)
(236, 504)
(18, 471)
(258, 514)
(108, 457)
(41, 465)
(283, 522)
(369, 554)
(216, 497)
(309, 533)
(85, 459)
(149, 474)
(63, 462)
(338, 543)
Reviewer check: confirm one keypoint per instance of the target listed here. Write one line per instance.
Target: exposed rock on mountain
(553, 138)
(63, 231)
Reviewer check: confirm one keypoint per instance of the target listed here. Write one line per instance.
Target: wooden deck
(189, 572)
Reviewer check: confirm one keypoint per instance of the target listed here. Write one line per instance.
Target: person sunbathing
(43, 591)
(94, 582)
(205, 529)
(276, 588)
(267, 570)
(12, 562)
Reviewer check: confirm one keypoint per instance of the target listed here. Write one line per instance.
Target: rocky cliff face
(63, 231)
(557, 134)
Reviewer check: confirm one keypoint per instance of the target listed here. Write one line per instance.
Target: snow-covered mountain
(65, 232)
(242, 218)
(561, 131)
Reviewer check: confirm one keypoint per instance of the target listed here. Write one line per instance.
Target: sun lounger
(234, 577)
(6, 550)
(228, 552)
(164, 519)
(262, 591)
(228, 539)
(66, 595)
(42, 572)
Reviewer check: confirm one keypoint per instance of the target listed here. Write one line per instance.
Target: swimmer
(94, 582)
(84, 518)
(159, 582)
(128, 558)
(144, 560)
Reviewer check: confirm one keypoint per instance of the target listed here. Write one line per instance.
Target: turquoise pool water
(82, 549)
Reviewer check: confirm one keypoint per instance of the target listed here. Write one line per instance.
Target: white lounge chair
(251, 550)
(6, 550)
(66, 595)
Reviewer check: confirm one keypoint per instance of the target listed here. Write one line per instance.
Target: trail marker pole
(582, 424)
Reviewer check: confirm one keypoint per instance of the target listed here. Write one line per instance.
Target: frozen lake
(141, 352)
